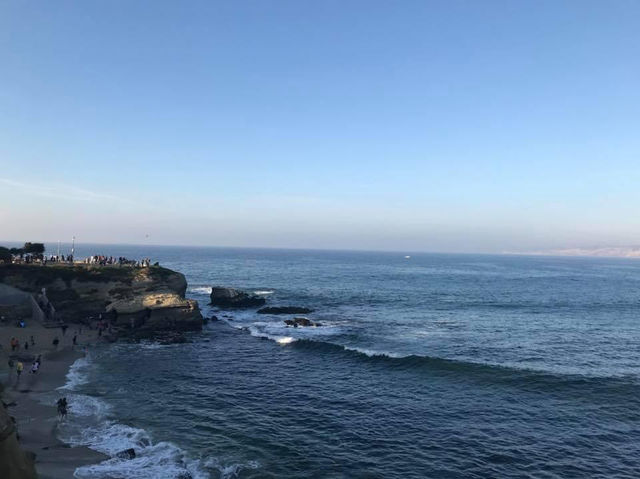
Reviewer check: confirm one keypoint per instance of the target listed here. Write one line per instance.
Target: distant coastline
(598, 252)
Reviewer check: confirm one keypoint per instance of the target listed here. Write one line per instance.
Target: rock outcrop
(284, 310)
(233, 298)
(14, 462)
(133, 299)
(302, 322)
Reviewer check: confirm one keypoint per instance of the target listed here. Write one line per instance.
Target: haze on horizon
(421, 126)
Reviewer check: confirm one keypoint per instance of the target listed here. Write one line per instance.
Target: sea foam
(89, 424)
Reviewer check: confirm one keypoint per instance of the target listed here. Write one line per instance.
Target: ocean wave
(199, 289)
(160, 460)
(595, 388)
(153, 460)
(282, 334)
(77, 374)
(608, 389)
(264, 292)
(88, 424)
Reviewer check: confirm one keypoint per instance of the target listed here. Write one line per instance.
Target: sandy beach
(36, 422)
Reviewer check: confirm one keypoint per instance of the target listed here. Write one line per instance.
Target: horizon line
(557, 252)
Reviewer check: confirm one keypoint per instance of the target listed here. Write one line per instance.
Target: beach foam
(88, 424)
(77, 374)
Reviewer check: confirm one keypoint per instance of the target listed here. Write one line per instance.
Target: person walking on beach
(34, 367)
(19, 368)
(33, 341)
(26, 345)
(56, 341)
(74, 340)
(62, 408)
(64, 328)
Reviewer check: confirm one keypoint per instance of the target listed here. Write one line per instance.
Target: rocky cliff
(14, 462)
(136, 299)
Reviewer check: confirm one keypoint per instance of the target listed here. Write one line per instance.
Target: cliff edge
(133, 299)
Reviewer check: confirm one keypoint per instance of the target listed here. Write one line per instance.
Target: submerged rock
(285, 310)
(127, 454)
(233, 298)
(302, 322)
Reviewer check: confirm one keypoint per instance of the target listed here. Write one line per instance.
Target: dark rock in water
(127, 454)
(233, 298)
(184, 475)
(302, 322)
(284, 310)
(213, 318)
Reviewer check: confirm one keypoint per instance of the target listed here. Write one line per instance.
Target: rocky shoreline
(100, 303)
(131, 301)
(97, 303)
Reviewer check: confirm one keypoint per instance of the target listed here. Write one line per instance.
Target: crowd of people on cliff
(54, 258)
(42, 259)
(120, 261)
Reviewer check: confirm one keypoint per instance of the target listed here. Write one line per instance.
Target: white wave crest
(372, 353)
(263, 292)
(199, 289)
(88, 424)
(231, 470)
(77, 374)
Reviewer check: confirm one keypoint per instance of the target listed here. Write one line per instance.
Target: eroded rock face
(233, 298)
(131, 298)
(14, 462)
(284, 310)
(302, 322)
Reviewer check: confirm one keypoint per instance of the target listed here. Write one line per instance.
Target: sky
(451, 126)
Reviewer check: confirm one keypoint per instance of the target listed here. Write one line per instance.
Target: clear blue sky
(428, 125)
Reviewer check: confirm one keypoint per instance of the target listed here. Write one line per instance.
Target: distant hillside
(605, 251)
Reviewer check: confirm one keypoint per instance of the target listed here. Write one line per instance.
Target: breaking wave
(90, 424)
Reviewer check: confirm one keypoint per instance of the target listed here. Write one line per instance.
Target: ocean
(428, 366)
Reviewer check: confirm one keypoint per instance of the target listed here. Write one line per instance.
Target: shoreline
(37, 423)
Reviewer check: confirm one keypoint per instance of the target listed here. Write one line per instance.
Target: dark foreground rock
(233, 298)
(302, 322)
(14, 462)
(127, 454)
(284, 310)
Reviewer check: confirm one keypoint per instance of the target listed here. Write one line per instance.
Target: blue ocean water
(428, 366)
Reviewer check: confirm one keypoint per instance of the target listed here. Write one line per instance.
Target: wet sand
(37, 423)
